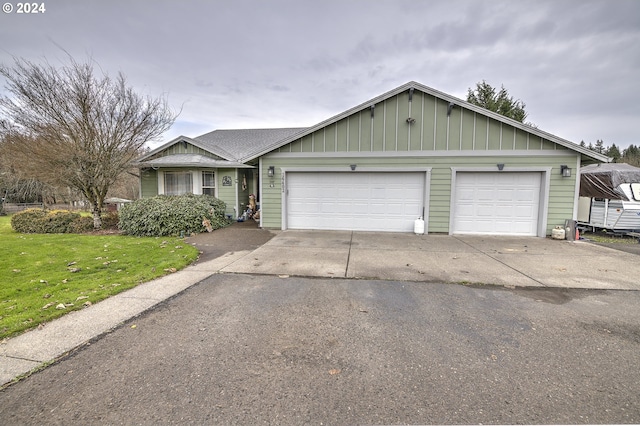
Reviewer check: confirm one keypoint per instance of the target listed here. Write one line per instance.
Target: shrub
(58, 221)
(81, 225)
(109, 220)
(39, 221)
(174, 215)
(30, 221)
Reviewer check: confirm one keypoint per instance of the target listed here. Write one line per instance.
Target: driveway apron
(506, 261)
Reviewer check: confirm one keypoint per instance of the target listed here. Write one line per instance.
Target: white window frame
(214, 187)
(163, 177)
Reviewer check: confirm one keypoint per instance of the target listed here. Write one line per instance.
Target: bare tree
(72, 127)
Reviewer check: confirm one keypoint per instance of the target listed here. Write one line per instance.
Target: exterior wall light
(271, 171)
(500, 166)
(353, 166)
(565, 170)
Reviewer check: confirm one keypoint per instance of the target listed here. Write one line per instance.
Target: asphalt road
(239, 349)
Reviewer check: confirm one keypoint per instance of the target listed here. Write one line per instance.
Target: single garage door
(504, 203)
(359, 201)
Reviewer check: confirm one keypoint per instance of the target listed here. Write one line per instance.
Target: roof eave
(195, 165)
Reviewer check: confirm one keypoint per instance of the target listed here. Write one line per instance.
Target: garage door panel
(354, 201)
(496, 203)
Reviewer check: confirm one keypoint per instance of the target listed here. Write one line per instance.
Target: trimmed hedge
(39, 221)
(29, 221)
(172, 215)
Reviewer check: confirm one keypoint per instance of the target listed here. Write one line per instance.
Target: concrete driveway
(507, 261)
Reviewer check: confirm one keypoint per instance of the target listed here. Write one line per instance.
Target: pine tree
(613, 152)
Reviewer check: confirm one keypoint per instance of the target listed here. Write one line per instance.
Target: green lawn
(41, 272)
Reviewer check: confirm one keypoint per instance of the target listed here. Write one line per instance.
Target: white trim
(196, 179)
(576, 196)
(215, 177)
(237, 186)
(359, 169)
(160, 178)
(545, 184)
(261, 189)
(463, 153)
(347, 169)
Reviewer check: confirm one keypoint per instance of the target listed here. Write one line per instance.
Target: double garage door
(486, 203)
(357, 201)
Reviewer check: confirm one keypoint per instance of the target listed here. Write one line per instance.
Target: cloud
(251, 63)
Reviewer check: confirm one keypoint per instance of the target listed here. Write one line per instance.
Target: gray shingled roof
(244, 143)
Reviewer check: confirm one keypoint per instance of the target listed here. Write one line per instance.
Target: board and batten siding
(185, 148)
(385, 129)
(440, 138)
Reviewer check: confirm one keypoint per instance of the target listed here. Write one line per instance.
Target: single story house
(408, 153)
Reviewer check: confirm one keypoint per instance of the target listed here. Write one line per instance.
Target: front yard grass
(44, 276)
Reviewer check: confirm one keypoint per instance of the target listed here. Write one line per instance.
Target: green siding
(481, 132)
(400, 120)
(378, 128)
(353, 134)
(454, 129)
(227, 193)
(148, 183)
(415, 129)
(296, 146)
(494, 135)
(442, 123)
(548, 145)
(341, 135)
(433, 131)
(467, 130)
(508, 137)
(365, 132)
(390, 124)
(521, 139)
(428, 122)
(306, 144)
(560, 196)
(184, 148)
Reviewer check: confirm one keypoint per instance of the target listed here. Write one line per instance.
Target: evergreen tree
(613, 152)
(631, 155)
(599, 148)
(485, 96)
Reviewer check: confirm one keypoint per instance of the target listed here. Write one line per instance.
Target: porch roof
(191, 160)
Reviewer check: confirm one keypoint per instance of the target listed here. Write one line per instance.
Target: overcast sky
(271, 63)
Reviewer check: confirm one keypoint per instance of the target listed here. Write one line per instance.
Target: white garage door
(354, 201)
(504, 203)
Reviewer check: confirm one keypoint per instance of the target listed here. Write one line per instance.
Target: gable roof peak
(441, 95)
